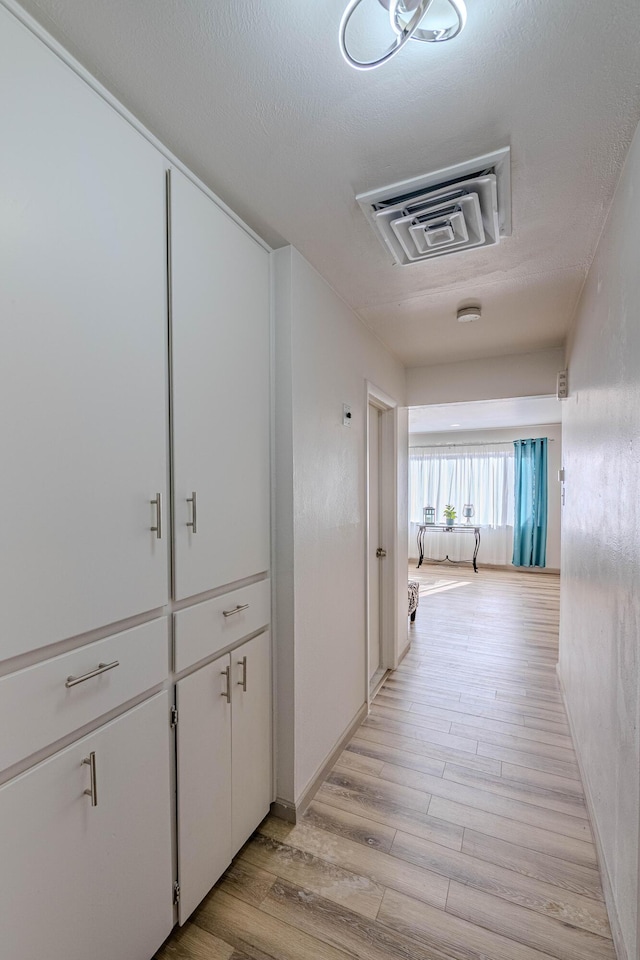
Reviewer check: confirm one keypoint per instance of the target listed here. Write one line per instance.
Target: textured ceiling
(256, 99)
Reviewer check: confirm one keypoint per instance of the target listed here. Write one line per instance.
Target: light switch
(346, 415)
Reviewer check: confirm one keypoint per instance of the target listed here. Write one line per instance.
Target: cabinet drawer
(39, 707)
(207, 627)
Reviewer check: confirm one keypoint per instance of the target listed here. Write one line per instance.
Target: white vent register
(460, 208)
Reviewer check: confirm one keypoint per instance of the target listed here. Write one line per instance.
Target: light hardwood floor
(453, 827)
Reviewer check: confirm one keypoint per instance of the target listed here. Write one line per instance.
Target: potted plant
(449, 515)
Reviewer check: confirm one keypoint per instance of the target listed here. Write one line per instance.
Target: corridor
(452, 827)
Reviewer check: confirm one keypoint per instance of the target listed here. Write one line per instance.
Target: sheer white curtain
(477, 474)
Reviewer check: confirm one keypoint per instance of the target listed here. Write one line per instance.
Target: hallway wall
(487, 378)
(324, 355)
(600, 607)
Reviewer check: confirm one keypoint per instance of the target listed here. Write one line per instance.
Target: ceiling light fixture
(468, 314)
(405, 17)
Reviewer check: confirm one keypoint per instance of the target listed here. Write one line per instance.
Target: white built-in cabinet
(84, 880)
(220, 390)
(224, 764)
(134, 346)
(82, 355)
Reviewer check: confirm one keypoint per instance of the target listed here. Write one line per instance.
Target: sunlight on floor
(439, 586)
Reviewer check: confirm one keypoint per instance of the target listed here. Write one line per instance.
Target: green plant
(450, 513)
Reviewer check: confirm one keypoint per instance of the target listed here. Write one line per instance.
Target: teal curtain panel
(530, 507)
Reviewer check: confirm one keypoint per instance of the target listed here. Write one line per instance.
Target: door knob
(380, 552)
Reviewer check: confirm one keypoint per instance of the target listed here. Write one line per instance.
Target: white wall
(324, 356)
(600, 603)
(494, 378)
(554, 461)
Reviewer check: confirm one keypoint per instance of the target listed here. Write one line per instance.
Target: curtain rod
(492, 443)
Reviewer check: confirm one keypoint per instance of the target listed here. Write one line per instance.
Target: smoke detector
(459, 208)
(469, 314)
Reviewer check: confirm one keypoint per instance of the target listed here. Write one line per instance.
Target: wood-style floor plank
(358, 893)
(376, 835)
(390, 871)
(532, 863)
(459, 938)
(192, 943)
(452, 826)
(393, 814)
(547, 934)
(545, 898)
(524, 834)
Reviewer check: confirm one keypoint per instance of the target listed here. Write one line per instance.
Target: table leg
(475, 552)
(420, 547)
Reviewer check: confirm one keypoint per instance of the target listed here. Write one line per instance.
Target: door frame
(388, 497)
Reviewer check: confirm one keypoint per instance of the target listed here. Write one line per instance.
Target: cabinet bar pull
(101, 668)
(158, 528)
(93, 790)
(243, 683)
(194, 519)
(238, 609)
(227, 693)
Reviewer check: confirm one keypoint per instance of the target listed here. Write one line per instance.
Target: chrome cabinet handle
(243, 683)
(193, 522)
(101, 668)
(238, 609)
(227, 693)
(158, 527)
(93, 789)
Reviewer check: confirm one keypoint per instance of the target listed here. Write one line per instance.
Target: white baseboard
(291, 812)
(614, 920)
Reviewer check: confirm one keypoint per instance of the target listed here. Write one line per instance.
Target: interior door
(375, 546)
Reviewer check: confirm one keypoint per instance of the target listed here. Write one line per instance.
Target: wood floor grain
(452, 827)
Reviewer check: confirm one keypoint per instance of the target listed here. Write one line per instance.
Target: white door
(251, 737)
(375, 545)
(220, 350)
(204, 780)
(82, 354)
(78, 880)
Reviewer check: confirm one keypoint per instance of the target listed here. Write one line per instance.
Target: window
(481, 475)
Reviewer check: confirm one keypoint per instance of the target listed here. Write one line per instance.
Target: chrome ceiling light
(405, 17)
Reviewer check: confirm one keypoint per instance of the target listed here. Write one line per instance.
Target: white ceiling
(256, 99)
(484, 415)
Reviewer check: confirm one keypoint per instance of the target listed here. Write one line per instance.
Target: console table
(456, 528)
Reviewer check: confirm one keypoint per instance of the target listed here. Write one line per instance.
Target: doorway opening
(381, 539)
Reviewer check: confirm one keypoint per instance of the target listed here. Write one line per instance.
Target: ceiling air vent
(464, 207)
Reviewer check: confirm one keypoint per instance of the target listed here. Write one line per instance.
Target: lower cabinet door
(90, 874)
(251, 737)
(204, 780)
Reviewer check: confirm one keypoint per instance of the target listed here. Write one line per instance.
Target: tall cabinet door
(82, 354)
(204, 780)
(251, 737)
(220, 416)
(79, 880)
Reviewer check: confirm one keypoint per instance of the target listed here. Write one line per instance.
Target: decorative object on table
(429, 515)
(468, 511)
(449, 515)
(414, 598)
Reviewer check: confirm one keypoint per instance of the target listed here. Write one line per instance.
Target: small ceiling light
(405, 17)
(469, 314)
